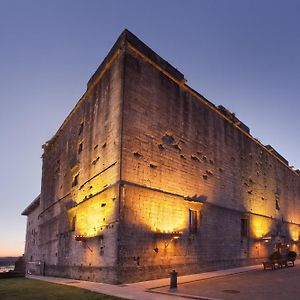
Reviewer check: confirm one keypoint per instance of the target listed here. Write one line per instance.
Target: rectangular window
(277, 205)
(193, 221)
(73, 223)
(244, 227)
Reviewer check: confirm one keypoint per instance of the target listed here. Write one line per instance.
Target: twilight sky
(244, 55)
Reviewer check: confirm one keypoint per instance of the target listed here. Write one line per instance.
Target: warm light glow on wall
(260, 226)
(157, 212)
(164, 217)
(93, 216)
(160, 213)
(294, 232)
(92, 187)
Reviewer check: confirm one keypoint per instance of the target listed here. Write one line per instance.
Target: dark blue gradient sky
(244, 55)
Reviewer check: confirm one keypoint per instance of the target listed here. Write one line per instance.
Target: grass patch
(30, 289)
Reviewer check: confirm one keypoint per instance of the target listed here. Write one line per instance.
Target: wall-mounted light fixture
(83, 239)
(168, 238)
(266, 239)
(80, 238)
(174, 238)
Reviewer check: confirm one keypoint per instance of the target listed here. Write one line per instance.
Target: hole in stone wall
(176, 146)
(195, 158)
(95, 160)
(75, 180)
(137, 155)
(153, 166)
(103, 204)
(80, 147)
(209, 172)
(161, 147)
(251, 180)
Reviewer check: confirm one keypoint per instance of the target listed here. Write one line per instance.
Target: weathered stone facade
(146, 175)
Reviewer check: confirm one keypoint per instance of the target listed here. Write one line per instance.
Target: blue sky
(244, 55)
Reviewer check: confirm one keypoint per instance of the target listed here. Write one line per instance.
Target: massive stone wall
(79, 195)
(31, 253)
(178, 144)
(195, 151)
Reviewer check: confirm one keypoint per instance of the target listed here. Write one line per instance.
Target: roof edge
(128, 37)
(32, 206)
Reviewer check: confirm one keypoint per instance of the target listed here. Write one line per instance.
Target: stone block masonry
(146, 175)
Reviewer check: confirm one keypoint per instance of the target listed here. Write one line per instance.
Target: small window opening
(73, 223)
(244, 227)
(193, 221)
(75, 180)
(80, 128)
(80, 147)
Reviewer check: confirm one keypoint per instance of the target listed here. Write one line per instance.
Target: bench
(277, 260)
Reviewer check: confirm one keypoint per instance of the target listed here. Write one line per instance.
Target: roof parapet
(231, 116)
(272, 150)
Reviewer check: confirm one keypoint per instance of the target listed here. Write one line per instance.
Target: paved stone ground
(254, 285)
(246, 283)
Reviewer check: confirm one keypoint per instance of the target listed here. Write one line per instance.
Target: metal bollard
(173, 280)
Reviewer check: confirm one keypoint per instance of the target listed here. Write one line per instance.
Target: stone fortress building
(145, 175)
